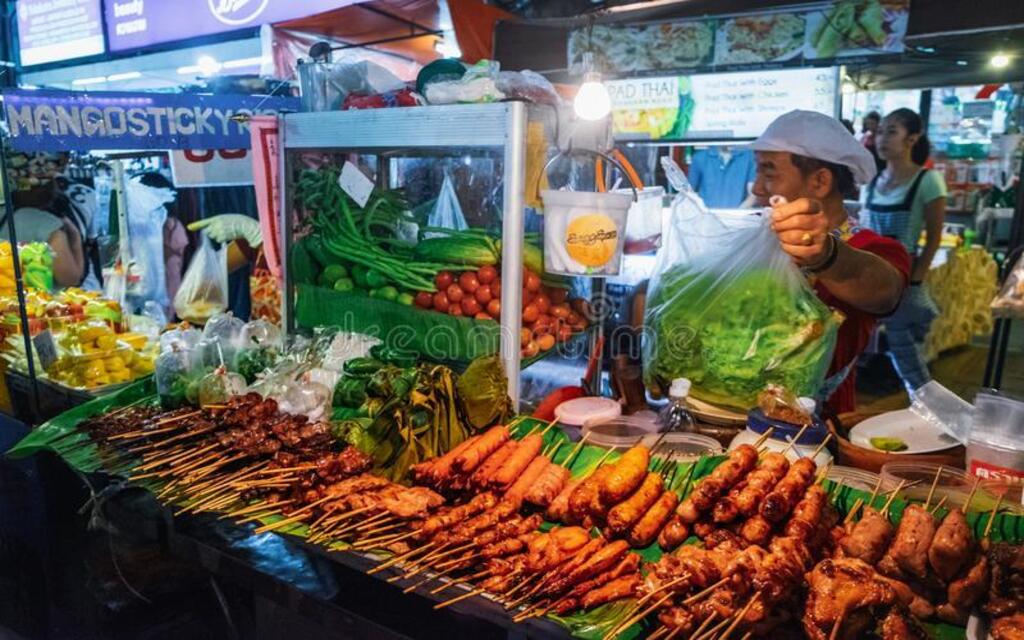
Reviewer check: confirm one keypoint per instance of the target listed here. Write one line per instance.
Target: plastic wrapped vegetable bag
(204, 288)
(729, 310)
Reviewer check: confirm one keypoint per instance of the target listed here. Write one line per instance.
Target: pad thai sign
(827, 31)
(62, 121)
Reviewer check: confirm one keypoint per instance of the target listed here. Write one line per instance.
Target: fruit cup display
(92, 355)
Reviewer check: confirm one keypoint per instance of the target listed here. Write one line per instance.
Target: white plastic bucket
(584, 232)
(644, 227)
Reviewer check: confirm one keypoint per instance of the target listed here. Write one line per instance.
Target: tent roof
(405, 27)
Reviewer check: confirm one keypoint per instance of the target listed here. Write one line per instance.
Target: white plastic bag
(447, 212)
(729, 310)
(204, 289)
(943, 409)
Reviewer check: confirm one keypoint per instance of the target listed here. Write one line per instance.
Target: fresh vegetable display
(733, 336)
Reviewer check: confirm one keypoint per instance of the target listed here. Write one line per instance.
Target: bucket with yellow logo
(584, 232)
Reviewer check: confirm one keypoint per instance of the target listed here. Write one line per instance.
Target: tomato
(496, 288)
(557, 295)
(531, 349)
(455, 310)
(574, 318)
(525, 336)
(441, 301)
(470, 306)
(543, 325)
(483, 316)
(531, 281)
(455, 293)
(561, 311)
(564, 332)
(494, 308)
(530, 313)
(483, 294)
(487, 274)
(424, 300)
(468, 281)
(545, 342)
(543, 302)
(443, 279)
(528, 297)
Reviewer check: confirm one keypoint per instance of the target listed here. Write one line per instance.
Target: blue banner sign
(65, 121)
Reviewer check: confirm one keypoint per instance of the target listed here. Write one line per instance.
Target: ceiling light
(208, 65)
(592, 101)
(961, 63)
(83, 81)
(127, 75)
(1000, 61)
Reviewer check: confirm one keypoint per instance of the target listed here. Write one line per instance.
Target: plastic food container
(782, 434)
(579, 411)
(584, 232)
(619, 433)
(953, 484)
(685, 447)
(853, 477)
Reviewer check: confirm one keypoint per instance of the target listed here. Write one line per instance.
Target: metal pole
(19, 283)
(284, 190)
(512, 230)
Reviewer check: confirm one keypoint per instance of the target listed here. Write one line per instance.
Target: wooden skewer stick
(531, 611)
(424, 581)
(892, 496)
(739, 617)
(468, 579)
(853, 511)
(549, 426)
(823, 473)
(575, 450)
(308, 467)
(299, 514)
(399, 558)
(992, 519)
(637, 617)
(705, 592)
(178, 417)
(425, 562)
(935, 509)
(821, 446)
(459, 598)
(710, 633)
(657, 635)
(374, 521)
(553, 449)
(256, 507)
(703, 626)
(931, 491)
(792, 443)
(874, 492)
(377, 530)
(837, 625)
(970, 496)
(384, 540)
(764, 437)
(667, 585)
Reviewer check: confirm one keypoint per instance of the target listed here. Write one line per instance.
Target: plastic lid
(807, 404)
(619, 432)
(680, 388)
(580, 411)
(852, 477)
(785, 431)
(685, 446)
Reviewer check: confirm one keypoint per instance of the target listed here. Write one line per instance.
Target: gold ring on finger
(807, 239)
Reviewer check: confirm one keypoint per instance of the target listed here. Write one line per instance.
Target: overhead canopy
(939, 34)
(399, 34)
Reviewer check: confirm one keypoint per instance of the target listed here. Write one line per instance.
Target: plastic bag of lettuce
(729, 310)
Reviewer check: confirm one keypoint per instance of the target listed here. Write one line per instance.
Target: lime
(375, 279)
(387, 293)
(888, 444)
(405, 298)
(334, 272)
(359, 276)
(344, 284)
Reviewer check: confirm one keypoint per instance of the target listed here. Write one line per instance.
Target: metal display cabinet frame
(497, 127)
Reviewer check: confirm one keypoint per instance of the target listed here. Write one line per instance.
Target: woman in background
(904, 199)
(45, 215)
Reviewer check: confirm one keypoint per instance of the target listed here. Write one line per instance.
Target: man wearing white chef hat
(805, 162)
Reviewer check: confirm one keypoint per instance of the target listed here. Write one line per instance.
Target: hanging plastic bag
(146, 217)
(1009, 302)
(729, 310)
(204, 288)
(447, 212)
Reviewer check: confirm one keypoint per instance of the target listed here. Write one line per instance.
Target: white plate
(920, 436)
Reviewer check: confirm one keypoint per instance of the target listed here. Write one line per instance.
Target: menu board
(721, 106)
(139, 23)
(840, 29)
(54, 30)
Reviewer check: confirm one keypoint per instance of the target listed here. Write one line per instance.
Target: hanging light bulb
(592, 101)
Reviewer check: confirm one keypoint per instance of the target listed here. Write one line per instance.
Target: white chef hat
(816, 135)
